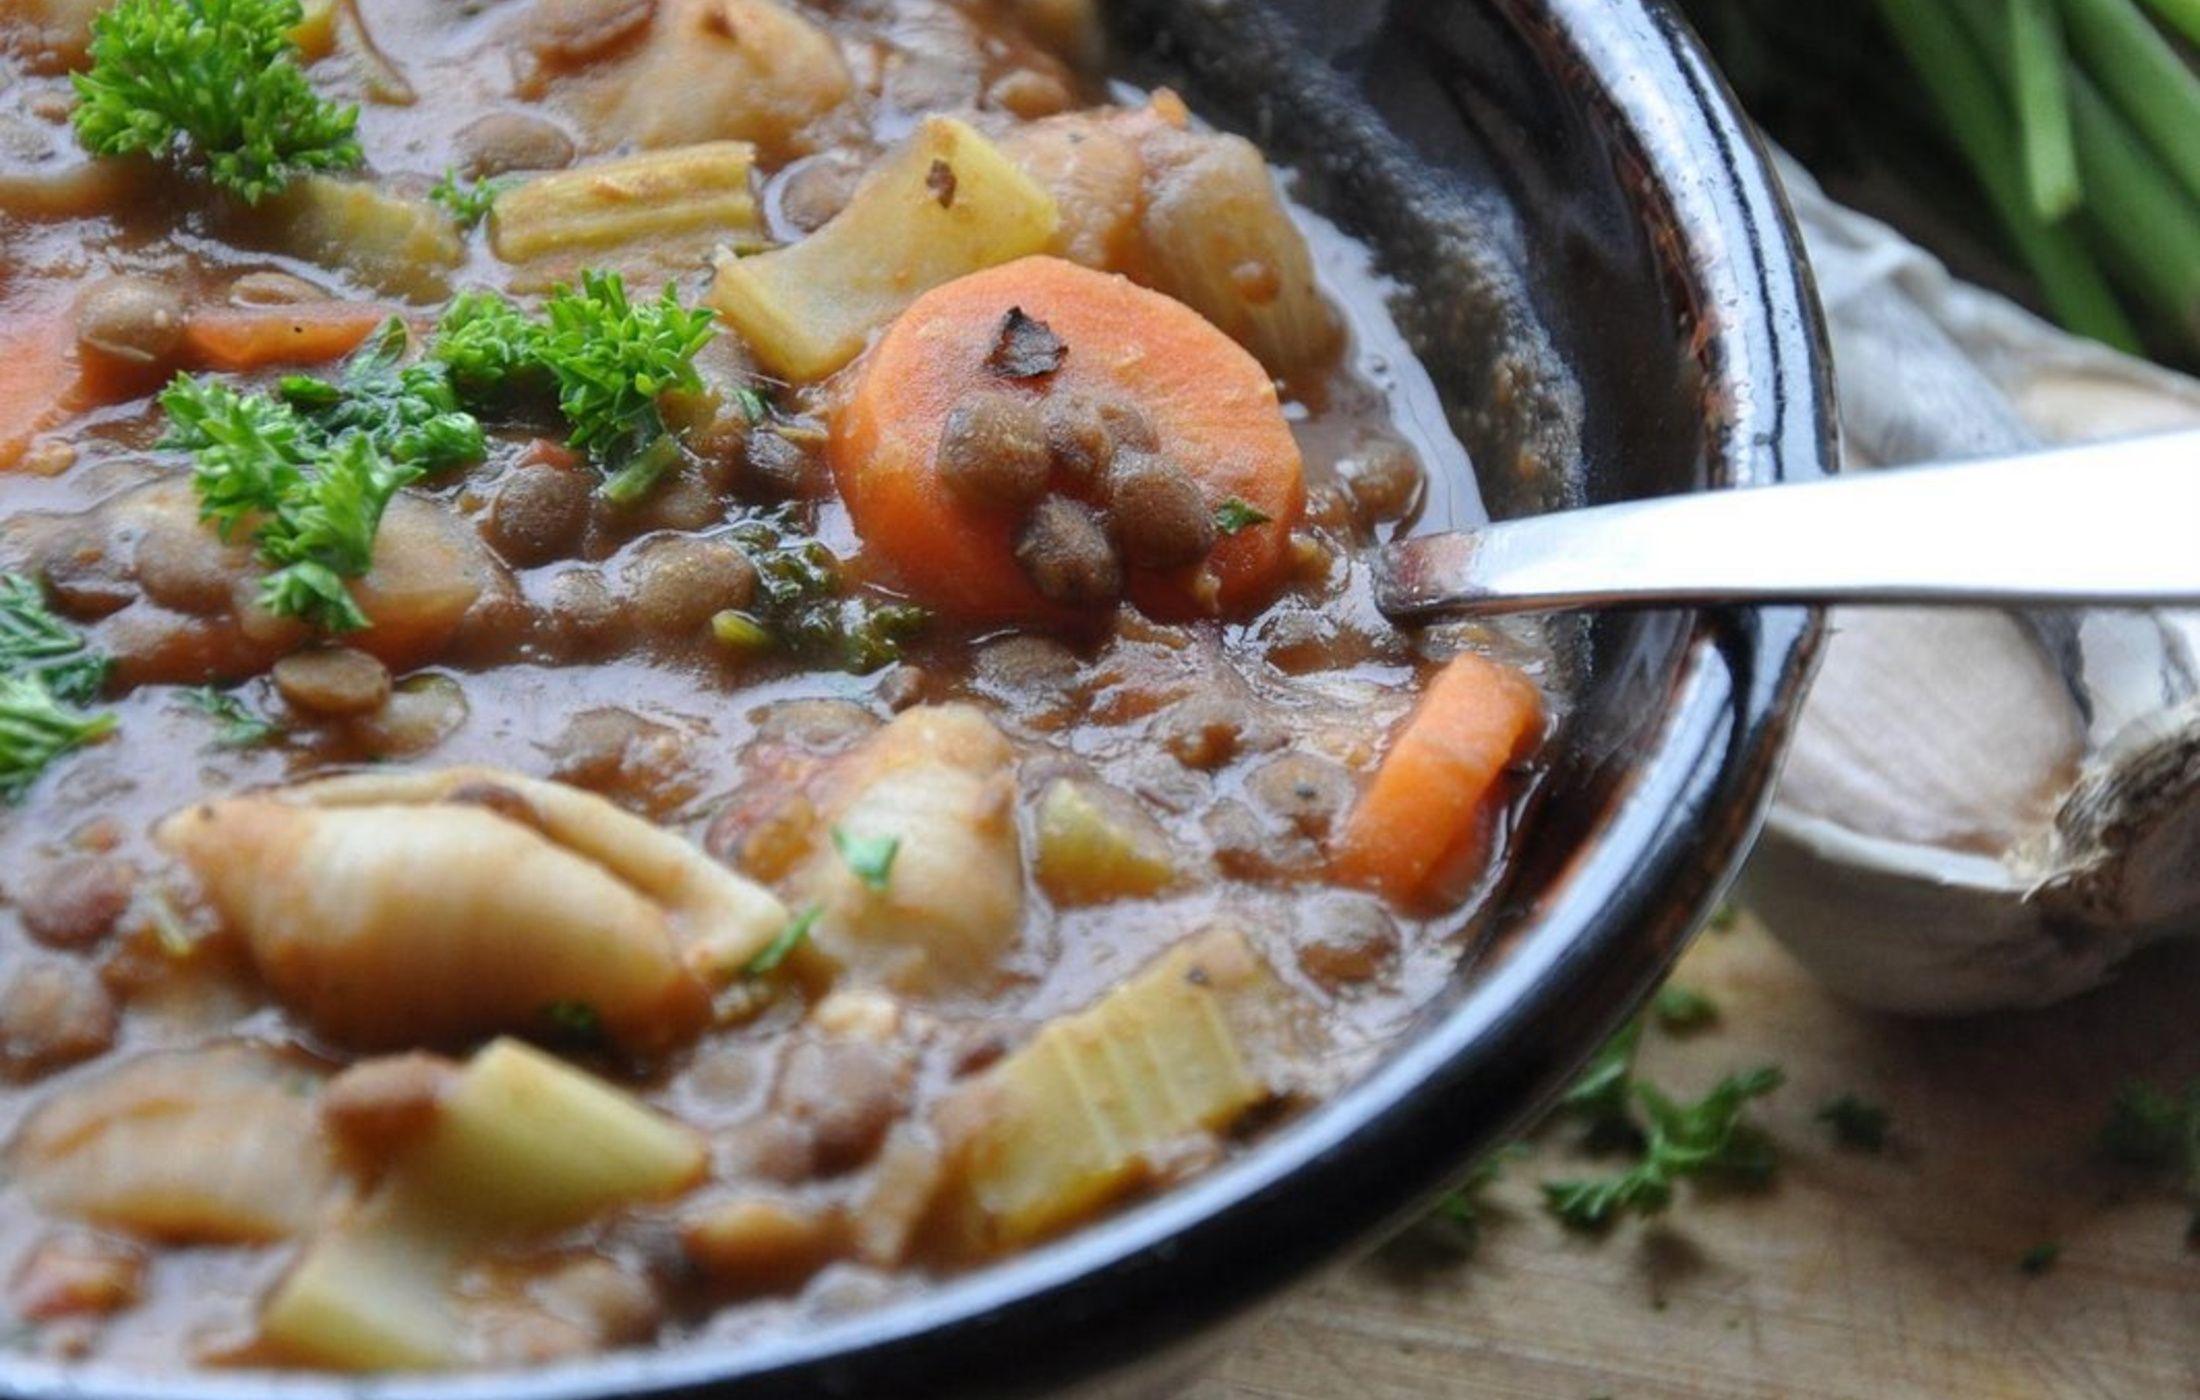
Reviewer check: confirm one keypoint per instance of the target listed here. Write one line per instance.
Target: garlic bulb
(1980, 808)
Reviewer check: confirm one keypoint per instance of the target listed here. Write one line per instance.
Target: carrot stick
(41, 380)
(1431, 793)
(246, 338)
(1213, 409)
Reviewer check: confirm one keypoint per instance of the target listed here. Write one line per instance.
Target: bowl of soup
(688, 695)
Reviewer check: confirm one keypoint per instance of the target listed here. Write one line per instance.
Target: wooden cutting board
(1855, 1277)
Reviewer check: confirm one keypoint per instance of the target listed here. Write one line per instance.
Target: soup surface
(674, 666)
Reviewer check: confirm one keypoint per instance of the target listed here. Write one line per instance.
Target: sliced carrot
(1430, 798)
(1211, 404)
(304, 333)
(41, 380)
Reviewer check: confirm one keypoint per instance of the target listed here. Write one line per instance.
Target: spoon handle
(2108, 524)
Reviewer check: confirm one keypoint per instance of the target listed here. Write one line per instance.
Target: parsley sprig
(1709, 1137)
(47, 670)
(211, 82)
(409, 412)
(469, 204)
(315, 504)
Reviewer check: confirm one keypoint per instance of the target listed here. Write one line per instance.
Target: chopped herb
(1709, 1137)
(409, 412)
(210, 82)
(47, 670)
(754, 406)
(1603, 1097)
(1856, 1125)
(323, 533)
(315, 481)
(1681, 1008)
(35, 729)
(237, 726)
(490, 347)
(793, 936)
(1024, 348)
(870, 857)
(2040, 1257)
(800, 600)
(737, 630)
(1234, 515)
(34, 640)
(1724, 919)
(611, 359)
(469, 204)
(2154, 1130)
(1460, 1212)
(576, 1021)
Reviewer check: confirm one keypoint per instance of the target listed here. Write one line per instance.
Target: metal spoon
(2109, 524)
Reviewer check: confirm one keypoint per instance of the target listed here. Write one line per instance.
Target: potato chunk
(522, 1146)
(938, 782)
(947, 203)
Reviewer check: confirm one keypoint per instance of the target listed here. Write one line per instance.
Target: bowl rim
(1148, 1279)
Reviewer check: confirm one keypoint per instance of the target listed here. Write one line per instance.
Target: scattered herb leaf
(2155, 1130)
(1682, 1008)
(1856, 1124)
(1603, 1097)
(575, 1020)
(409, 412)
(34, 640)
(469, 204)
(1709, 1137)
(871, 858)
(237, 725)
(793, 936)
(1234, 515)
(210, 82)
(1024, 347)
(36, 728)
(2040, 1257)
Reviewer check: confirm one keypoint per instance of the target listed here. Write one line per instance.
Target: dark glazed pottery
(1602, 278)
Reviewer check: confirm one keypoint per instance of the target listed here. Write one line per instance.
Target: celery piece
(945, 204)
(1093, 1104)
(2043, 107)
(701, 189)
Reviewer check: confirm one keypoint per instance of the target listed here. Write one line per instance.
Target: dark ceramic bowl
(1601, 275)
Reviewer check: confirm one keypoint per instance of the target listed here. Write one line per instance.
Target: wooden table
(1861, 1277)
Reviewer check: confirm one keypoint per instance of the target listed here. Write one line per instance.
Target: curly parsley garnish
(215, 83)
(47, 670)
(469, 204)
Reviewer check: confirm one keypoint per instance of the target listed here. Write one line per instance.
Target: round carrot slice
(1213, 409)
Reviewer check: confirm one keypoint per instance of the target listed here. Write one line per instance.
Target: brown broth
(1319, 672)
